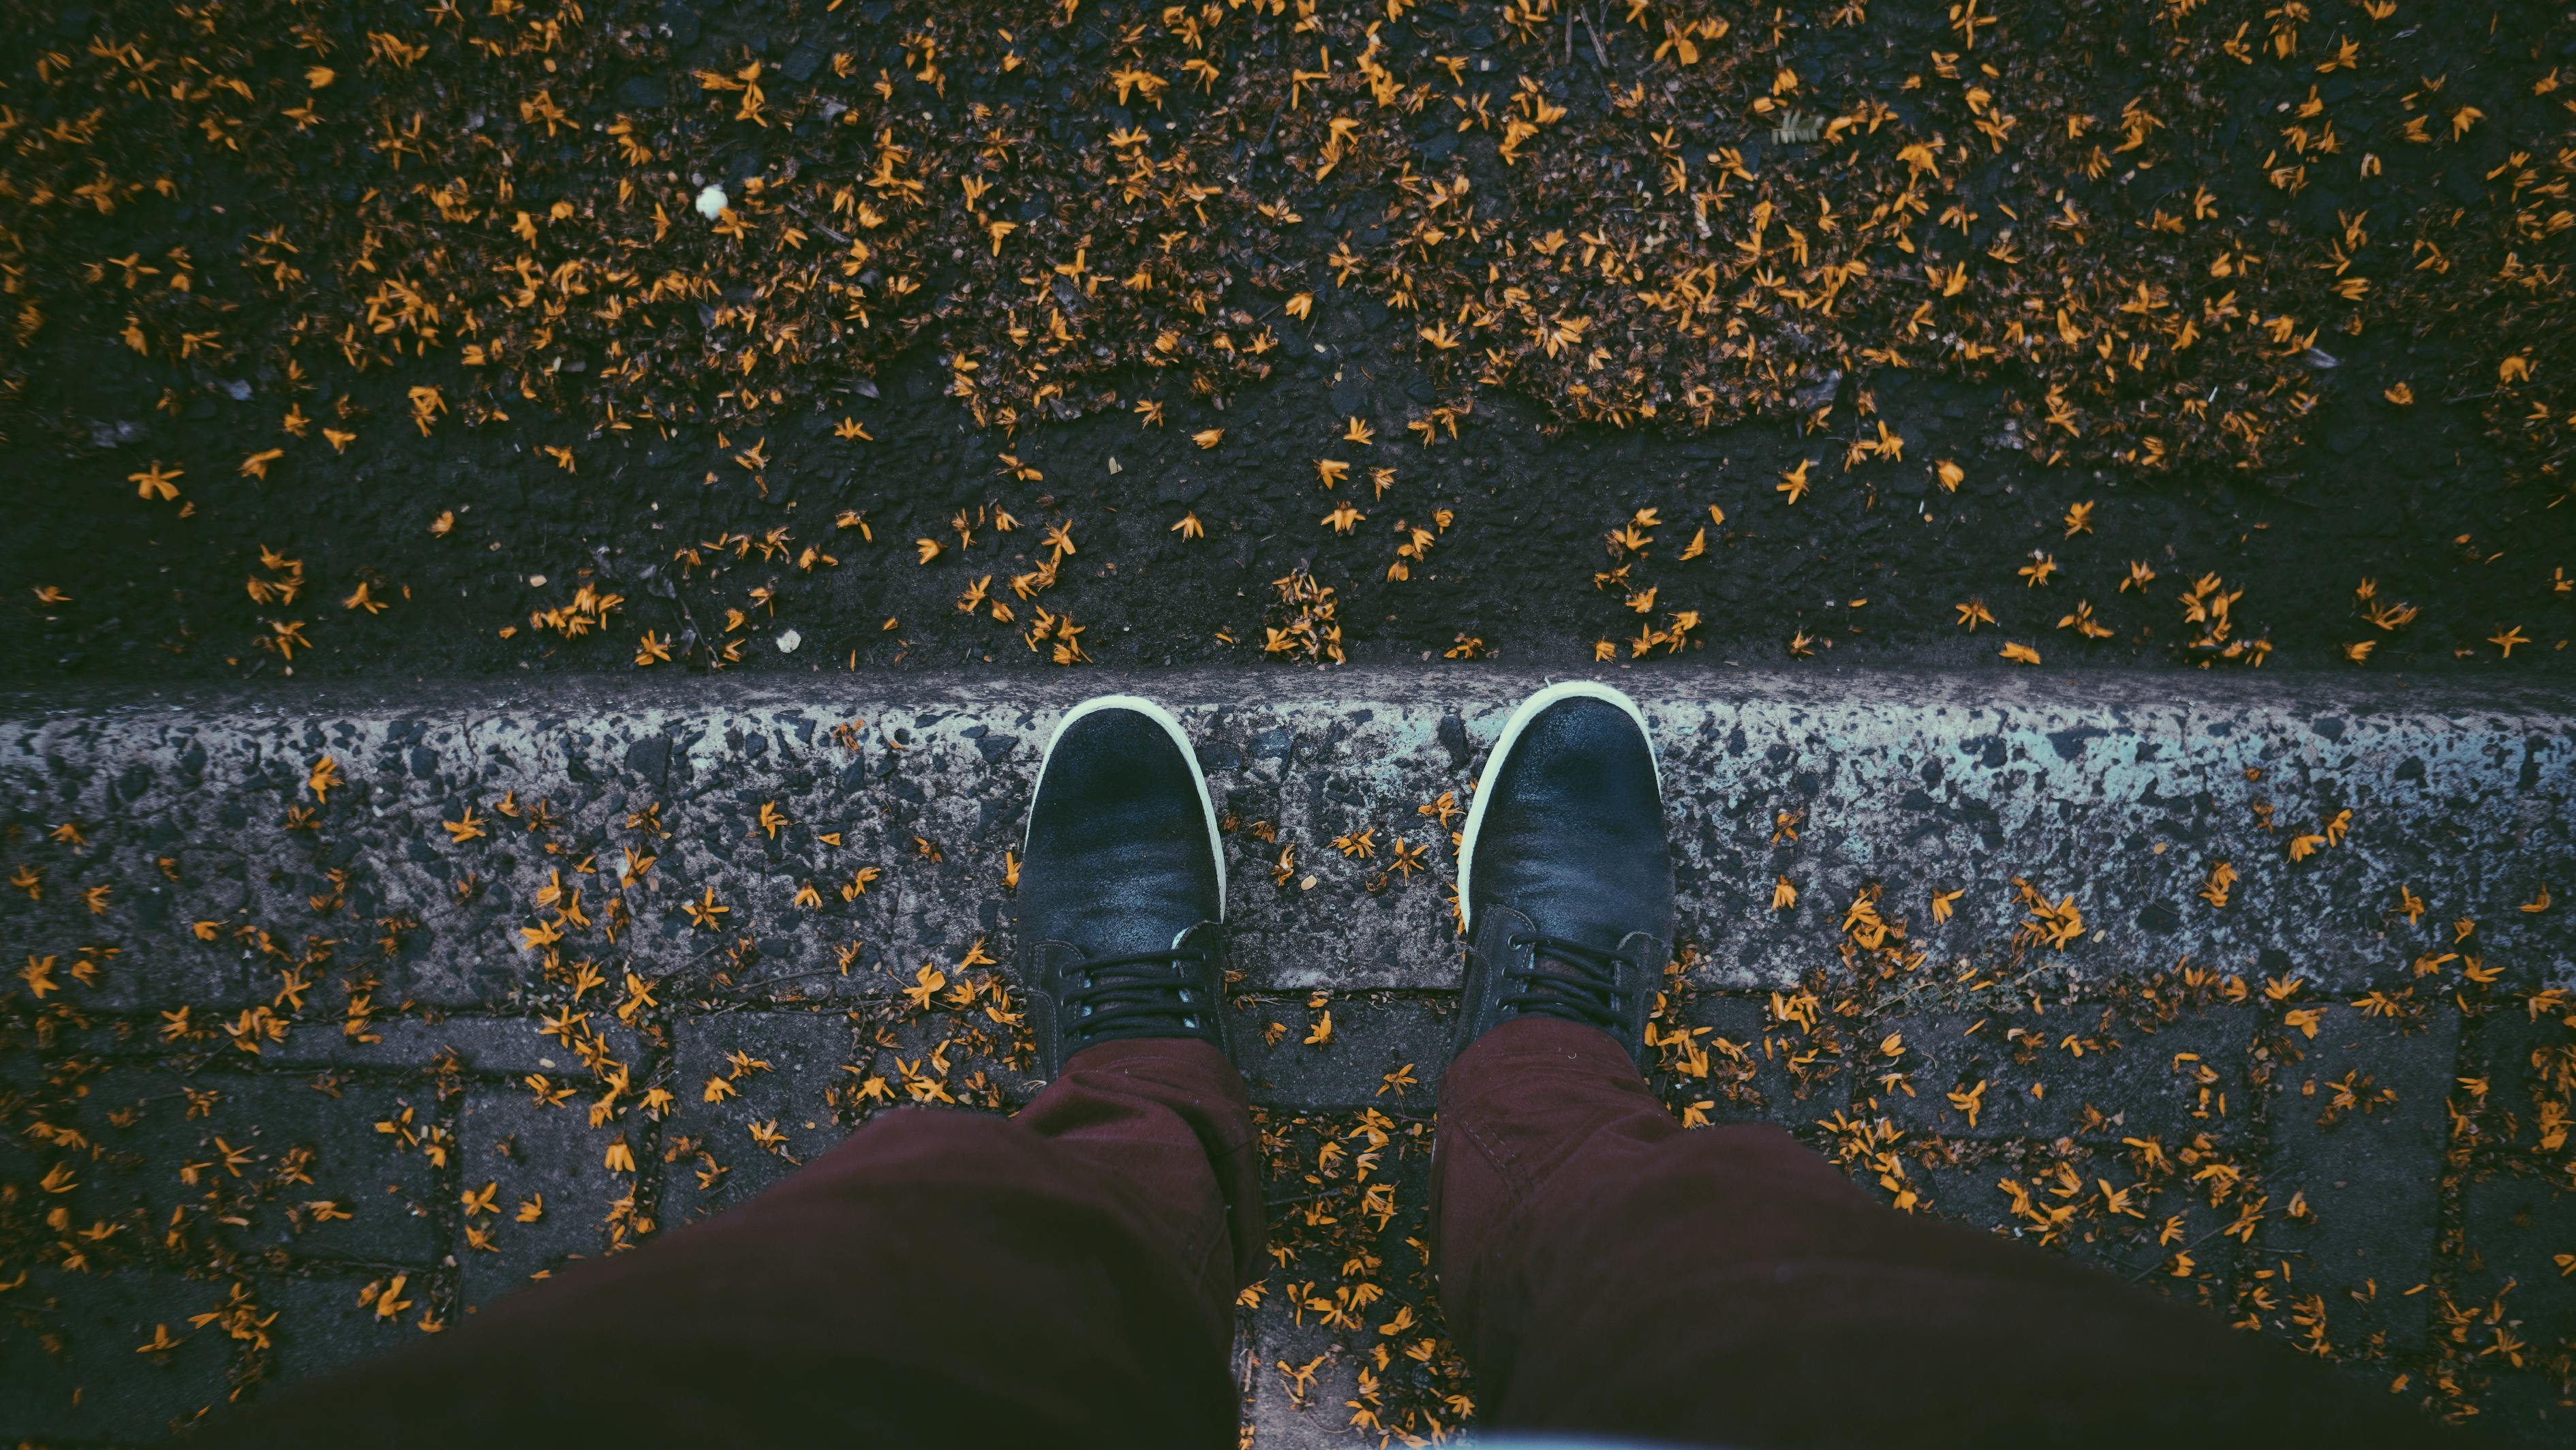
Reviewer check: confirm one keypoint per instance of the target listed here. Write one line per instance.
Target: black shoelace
(1117, 996)
(1588, 994)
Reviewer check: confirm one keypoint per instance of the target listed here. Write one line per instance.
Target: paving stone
(1370, 1039)
(2371, 1174)
(806, 1054)
(2118, 1080)
(532, 1154)
(1282, 1408)
(981, 1073)
(1749, 1078)
(2515, 1228)
(68, 1367)
(2517, 1209)
(2528, 1408)
(329, 1321)
(508, 1045)
(25, 1047)
(2136, 1238)
(1333, 1343)
(2163, 1219)
(264, 1152)
(1376, 1035)
(1962, 1189)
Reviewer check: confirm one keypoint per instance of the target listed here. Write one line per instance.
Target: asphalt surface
(434, 344)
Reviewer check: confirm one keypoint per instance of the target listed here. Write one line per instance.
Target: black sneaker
(1564, 878)
(1122, 885)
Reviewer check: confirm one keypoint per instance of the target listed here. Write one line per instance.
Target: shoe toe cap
(1573, 835)
(1120, 854)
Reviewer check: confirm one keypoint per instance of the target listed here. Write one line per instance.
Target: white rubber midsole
(1519, 721)
(1189, 754)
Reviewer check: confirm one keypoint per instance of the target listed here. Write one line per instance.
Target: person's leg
(1607, 1273)
(1063, 1278)
(1067, 1276)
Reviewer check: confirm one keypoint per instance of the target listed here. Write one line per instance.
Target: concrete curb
(2123, 791)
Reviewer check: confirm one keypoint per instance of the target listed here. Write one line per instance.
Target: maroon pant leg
(1607, 1272)
(1065, 1277)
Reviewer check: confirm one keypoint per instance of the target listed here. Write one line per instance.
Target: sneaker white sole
(1512, 728)
(1180, 740)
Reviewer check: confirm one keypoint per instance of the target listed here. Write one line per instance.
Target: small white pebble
(536, 581)
(788, 640)
(1113, 465)
(711, 202)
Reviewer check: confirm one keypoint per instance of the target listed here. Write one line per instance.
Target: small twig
(696, 638)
